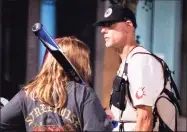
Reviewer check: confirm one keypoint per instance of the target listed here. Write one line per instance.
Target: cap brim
(101, 23)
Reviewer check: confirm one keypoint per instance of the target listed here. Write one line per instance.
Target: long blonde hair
(52, 78)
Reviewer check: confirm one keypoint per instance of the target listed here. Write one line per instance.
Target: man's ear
(129, 23)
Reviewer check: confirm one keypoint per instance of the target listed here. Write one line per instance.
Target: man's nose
(103, 30)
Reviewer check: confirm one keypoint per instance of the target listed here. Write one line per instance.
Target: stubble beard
(108, 45)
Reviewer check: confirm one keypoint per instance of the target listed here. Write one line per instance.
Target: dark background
(73, 17)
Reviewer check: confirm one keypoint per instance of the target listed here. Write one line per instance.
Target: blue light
(48, 20)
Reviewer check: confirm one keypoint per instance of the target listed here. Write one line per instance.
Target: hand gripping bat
(57, 53)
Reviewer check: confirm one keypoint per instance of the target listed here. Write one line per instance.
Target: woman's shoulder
(81, 90)
(80, 87)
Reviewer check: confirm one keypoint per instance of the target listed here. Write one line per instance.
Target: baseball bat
(56, 52)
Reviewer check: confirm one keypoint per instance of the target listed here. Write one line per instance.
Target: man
(145, 74)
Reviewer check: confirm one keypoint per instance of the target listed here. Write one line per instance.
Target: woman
(53, 102)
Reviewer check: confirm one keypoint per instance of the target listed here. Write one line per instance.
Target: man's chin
(108, 45)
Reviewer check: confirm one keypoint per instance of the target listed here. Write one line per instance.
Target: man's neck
(124, 51)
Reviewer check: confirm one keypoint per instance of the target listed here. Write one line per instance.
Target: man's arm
(144, 118)
(146, 84)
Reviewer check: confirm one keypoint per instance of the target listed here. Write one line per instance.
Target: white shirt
(146, 81)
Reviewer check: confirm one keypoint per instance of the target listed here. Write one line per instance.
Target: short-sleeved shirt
(146, 81)
(83, 112)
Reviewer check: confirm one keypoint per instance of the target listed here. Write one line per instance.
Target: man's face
(115, 34)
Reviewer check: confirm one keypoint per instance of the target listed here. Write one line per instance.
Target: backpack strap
(167, 73)
(172, 99)
(125, 71)
(128, 90)
(162, 125)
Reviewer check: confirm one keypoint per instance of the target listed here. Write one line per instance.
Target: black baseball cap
(117, 13)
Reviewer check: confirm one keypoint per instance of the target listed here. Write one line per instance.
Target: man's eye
(108, 24)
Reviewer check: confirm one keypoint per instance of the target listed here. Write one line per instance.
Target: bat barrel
(53, 48)
(46, 39)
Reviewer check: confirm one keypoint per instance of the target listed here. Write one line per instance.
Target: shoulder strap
(167, 73)
(128, 90)
(156, 114)
(125, 71)
(127, 59)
